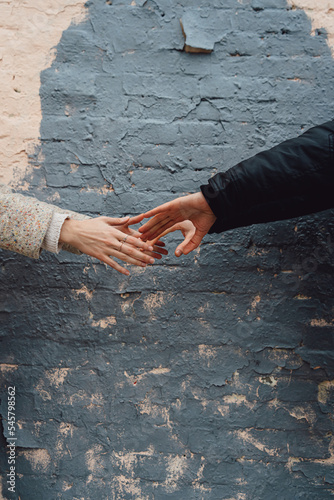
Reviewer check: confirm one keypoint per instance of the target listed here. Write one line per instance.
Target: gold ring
(120, 248)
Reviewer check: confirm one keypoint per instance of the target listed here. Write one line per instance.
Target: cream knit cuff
(51, 238)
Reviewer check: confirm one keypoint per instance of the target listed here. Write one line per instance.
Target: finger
(181, 248)
(116, 221)
(160, 243)
(154, 235)
(161, 250)
(193, 244)
(139, 243)
(133, 252)
(136, 234)
(146, 246)
(114, 265)
(134, 257)
(135, 219)
(158, 252)
(158, 210)
(189, 233)
(157, 220)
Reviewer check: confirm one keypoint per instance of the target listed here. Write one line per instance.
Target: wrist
(68, 231)
(202, 203)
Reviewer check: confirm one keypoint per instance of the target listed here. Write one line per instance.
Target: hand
(103, 237)
(158, 246)
(192, 207)
(188, 230)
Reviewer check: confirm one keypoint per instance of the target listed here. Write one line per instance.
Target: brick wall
(205, 377)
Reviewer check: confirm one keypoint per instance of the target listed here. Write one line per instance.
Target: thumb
(191, 245)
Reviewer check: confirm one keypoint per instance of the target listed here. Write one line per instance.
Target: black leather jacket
(292, 179)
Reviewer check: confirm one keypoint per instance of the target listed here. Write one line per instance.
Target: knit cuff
(51, 238)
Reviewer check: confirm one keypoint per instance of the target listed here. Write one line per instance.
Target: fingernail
(150, 249)
(151, 261)
(178, 253)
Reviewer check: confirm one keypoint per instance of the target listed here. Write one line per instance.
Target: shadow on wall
(202, 377)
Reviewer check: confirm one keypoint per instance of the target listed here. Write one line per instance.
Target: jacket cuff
(213, 199)
(51, 238)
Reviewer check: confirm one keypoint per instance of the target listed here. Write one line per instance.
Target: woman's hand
(157, 244)
(106, 237)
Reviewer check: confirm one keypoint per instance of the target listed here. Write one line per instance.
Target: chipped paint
(57, 376)
(39, 459)
(324, 390)
(246, 437)
(29, 32)
(321, 14)
(105, 322)
(321, 322)
(84, 291)
(6, 368)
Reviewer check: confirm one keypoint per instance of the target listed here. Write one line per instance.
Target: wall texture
(206, 377)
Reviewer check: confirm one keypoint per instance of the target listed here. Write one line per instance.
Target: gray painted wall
(205, 377)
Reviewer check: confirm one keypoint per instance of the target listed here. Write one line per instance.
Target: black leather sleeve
(292, 179)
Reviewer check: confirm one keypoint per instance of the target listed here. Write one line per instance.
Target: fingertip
(178, 252)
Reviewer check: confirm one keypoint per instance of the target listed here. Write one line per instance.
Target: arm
(24, 222)
(292, 179)
(25, 226)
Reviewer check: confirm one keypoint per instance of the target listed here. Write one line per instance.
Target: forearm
(292, 179)
(24, 222)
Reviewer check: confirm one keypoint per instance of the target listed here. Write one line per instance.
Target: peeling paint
(39, 459)
(246, 437)
(28, 34)
(57, 376)
(321, 13)
(324, 390)
(105, 322)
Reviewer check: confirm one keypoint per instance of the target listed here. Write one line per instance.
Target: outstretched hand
(106, 237)
(166, 218)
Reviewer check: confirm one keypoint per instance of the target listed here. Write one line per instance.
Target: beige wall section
(29, 30)
(321, 13)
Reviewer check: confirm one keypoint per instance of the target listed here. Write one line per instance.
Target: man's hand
(106, 237)
(193, 208)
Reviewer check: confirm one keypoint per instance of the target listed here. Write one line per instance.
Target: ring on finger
(125, 238)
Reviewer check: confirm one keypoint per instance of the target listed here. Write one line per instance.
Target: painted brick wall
(205, 377)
